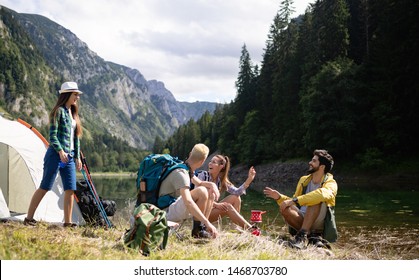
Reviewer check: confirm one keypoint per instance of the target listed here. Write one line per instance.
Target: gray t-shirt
(311, 187)
(177, 179)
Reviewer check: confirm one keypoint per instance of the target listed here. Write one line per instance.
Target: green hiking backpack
(149, 230)
(153, 170)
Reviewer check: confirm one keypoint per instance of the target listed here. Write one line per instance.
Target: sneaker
(29, 222)
(255, 230)
(300, 241)
(200, 232)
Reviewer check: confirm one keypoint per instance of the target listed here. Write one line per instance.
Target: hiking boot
(320, 244)
(200, 231)
(314, 238)
(317, 240)
(29, 222)
(72, 225)
(300, 241)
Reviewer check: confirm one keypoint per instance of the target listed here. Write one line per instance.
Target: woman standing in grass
(218, 169)
(63, 154)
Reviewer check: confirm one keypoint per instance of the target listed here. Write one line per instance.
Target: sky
(192, 46)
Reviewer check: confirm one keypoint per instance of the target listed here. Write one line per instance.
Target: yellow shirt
(326, 193)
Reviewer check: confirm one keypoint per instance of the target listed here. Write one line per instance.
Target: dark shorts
(51, 169)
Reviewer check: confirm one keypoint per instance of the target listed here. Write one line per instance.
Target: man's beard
(311, 169)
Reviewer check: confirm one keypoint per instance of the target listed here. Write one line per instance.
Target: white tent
(21, 167)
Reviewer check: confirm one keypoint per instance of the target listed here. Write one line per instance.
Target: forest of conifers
(341, 77)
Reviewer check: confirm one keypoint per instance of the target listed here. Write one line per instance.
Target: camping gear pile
(95, 210)
(149, 228)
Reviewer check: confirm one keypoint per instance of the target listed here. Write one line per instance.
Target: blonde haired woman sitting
(218, 169)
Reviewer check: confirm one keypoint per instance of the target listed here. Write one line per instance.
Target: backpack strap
(165, 238)
(168, 170)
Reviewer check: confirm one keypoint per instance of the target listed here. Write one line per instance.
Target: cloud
(192, 46)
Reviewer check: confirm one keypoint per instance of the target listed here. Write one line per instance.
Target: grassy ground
(53, 242)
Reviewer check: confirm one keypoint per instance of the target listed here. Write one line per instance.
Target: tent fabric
(21, 168)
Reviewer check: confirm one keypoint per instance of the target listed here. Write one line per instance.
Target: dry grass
(52, 242)
(379, 243)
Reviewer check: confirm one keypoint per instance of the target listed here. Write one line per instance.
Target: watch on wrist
(295, 200)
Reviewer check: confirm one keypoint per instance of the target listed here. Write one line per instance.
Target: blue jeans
(51, 169)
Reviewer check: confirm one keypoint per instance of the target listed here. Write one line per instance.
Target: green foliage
(332, 108)
(182, 141)
(158, 146)
(372, 160)
(23, 72)
(248, 139)
(204, 124)
(330, 20)
(245, 85)
(392, 75)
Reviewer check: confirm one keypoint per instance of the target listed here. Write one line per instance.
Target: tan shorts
(319, 222)
(177, 211)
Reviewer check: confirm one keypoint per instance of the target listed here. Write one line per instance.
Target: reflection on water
(355, 205)
(369, 206)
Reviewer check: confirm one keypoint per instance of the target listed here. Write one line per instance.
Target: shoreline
(109, 174)
(286, 175)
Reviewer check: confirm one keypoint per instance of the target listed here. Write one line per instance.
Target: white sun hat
(69, 87)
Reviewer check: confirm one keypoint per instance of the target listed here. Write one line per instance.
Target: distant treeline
(342, 77)
(106, 153)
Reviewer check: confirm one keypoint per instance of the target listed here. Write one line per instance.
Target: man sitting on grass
(196, 203)
(305, 212)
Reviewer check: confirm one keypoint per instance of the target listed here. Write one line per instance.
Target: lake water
(356, 204)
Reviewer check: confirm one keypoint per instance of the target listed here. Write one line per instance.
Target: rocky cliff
(118, 100)
(280, 176)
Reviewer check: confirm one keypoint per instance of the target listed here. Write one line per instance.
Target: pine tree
(245, 98)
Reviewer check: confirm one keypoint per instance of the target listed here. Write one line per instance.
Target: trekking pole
(86, 174)
(86, 168)
(88, 178)
(98, 202)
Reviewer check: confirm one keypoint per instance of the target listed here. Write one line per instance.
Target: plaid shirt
(231, 189)
(60, 133)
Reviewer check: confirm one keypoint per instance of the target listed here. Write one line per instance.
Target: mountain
(37, 55)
